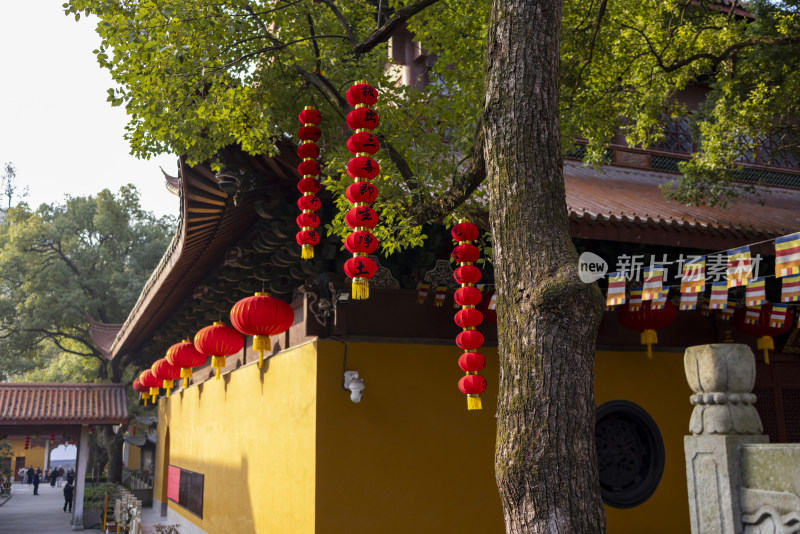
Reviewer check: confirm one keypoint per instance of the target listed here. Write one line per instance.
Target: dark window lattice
(765, 406)
(790, 398)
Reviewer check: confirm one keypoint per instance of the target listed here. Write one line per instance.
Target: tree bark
(545, 462)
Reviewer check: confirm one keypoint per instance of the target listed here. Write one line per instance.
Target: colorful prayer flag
(719, 295)
(693, 277)
(740, 265)
(752, 314)
(727, 313)
(422, 293)
(635, 302)
(790, 292)
(705, 309)
(688, 301)
(756, 295)
(660, 302)
(616, 289)
(778, 315)
(653, 283)
(439, 298)
(787, 255)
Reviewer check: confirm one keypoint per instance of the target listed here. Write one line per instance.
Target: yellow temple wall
(252, 435)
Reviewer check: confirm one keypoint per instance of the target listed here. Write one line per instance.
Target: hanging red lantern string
(647, 320)
(261, 316)
(166, 373)
(185, 356)
(469, 317)
(139, 388)
(218, 341)
(362, 168)
(762, 330)
(308, 185)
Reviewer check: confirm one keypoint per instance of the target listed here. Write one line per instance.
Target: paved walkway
(26, 513)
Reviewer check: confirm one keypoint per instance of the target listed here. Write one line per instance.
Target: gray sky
(55, 124)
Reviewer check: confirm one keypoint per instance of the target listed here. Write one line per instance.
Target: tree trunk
(114, 447)
(545, 463)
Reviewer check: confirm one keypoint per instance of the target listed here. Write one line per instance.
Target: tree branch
(432, 210)
(382, 34)
(348, 30)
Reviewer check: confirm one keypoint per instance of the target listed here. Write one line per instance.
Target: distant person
(53, 477)
(23, 475)
(36, 480)
(70, 476)
(31, 472)
(68, 495)
(60, 476)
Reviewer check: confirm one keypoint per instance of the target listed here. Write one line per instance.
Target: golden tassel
(260, 344)
(649, 337)
(766, 344)
(360, 289)
(474, 402)
(186, 374)
(307, 254)
(218, 362)
(168, 385)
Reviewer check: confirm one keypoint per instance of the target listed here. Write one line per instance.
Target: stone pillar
(724, 418)
(46, 455)
(80, 478)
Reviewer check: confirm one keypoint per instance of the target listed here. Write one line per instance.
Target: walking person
(68, 495)
(60, 476)
(36, 480)
(30, 472)
(53, 477)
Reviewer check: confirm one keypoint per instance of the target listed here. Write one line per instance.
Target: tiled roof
(62, 404)
(618, 197)
(103, 334)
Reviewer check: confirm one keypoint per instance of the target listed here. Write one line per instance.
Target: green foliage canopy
(198, 76)
(58, 263)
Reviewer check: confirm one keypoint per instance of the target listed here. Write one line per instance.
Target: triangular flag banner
(653, 283)
(790, 292)
(440, 294)
(616, 290)
(719, 295)
(422, 293)
(778, 315)
(693, 278)
(740, 265)
(756, 293)
(705, 309)
(727, 313)
(688, 301)
(787, 255)
(635, 303)
(752, 314)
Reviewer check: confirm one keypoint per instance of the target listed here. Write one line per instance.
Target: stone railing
(737, 481)
(128, 513)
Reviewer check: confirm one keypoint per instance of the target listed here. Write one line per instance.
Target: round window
(630, 454)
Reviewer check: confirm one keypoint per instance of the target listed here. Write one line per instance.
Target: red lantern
(166, 372)
(309, 185)
(308, 150)
(361, 216)
(362, 119)
(308, 170)
(361, 168)
(361, 192)
(361, 93)
(149, 380)
(762, 330)
(185, 356)
(309, 133)
(363, 142)
(27, 442)
(141, 389)
(52, 438)
(647, 320)
(361, 241)
(472, 362)
(218, 341)
(468, 318)
(261, 316)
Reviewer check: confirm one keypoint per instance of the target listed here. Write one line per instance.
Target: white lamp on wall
(354, 383)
